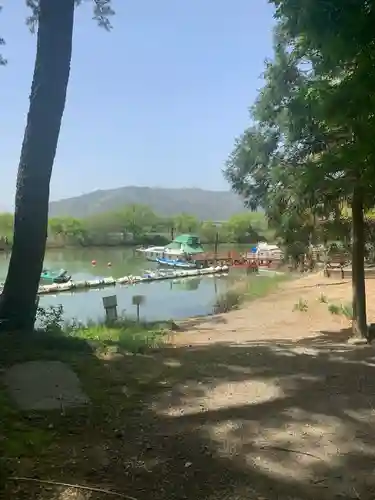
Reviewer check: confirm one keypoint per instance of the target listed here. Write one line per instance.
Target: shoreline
(282, 308)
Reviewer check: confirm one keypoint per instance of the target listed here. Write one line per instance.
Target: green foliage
(67, 230)
(185, 223)
(132, 336)
(334, 309)
(50, 319)
(246, 227)
(228, 301)
(342, 310)
(102, 11)
(347, 311)
(311, 146)
(291, 161)
(208, 231)
(140, 225)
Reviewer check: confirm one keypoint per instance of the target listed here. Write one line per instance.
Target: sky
(158, 101)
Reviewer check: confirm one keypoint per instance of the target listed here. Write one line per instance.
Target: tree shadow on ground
(271, 420)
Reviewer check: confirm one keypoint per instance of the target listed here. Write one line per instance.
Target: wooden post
(110, 306)
(216, 244)
(137, 301)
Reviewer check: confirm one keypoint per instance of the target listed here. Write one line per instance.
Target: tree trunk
(358, 273)
(47, 102)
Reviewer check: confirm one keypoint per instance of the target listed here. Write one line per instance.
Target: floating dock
(148, 276)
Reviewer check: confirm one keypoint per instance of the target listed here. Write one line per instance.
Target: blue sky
(158, 101)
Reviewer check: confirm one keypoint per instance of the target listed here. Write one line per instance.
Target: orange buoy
(93, 262)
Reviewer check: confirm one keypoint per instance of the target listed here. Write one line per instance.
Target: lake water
(170, 299)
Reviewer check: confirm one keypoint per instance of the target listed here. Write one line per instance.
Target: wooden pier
(236, 260)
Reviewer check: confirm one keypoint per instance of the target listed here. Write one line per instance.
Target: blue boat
(177, 263)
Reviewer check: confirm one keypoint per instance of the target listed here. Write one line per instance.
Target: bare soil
(260, 403)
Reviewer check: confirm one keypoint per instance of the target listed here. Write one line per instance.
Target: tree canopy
(310, 145)
(141, 225)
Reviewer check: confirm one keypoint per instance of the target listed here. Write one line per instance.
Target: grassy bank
(126, 335)
(113, 364)
(247, 288)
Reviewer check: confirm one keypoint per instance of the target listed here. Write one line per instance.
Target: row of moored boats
(148, 276)
(187, 252)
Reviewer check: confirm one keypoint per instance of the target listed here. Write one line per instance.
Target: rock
(357, 341)
(44, 385)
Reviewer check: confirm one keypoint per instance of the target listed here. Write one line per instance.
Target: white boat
(152, 253)
(182, 245)
(265, 251)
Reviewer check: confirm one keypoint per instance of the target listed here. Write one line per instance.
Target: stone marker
(357, 341)
(44, 385)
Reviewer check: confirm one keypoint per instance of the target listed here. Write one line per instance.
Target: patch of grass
(123, 334)
(347, 311)
(228, 301)
(335, 309)
(302, 305)
(246, 289)
(342, 310)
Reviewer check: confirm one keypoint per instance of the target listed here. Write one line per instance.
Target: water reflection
(189, 284)
(179, 298)
(167, 299)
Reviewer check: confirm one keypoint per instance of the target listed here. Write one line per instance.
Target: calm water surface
(177, 299)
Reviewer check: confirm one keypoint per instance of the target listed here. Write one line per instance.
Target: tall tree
(242, 229)
(337, 37)
(54, 21)
(323, 152)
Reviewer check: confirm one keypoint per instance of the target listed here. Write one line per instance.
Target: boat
(151, 253)
(49, 276)
(176, 263)
(264, 252)
(182, 246)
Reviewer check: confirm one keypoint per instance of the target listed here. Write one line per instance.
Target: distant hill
(205, 205)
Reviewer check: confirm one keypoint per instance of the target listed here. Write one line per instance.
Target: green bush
(335, 309)
(232, 299)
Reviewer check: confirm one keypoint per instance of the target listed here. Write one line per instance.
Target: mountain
(205, 205)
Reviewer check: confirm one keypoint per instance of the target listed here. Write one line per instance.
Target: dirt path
(272, 317)
(260, 403)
